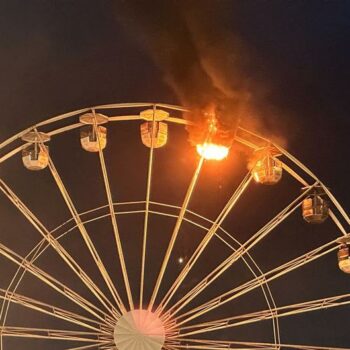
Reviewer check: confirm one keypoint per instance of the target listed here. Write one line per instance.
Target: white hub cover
(139, 330)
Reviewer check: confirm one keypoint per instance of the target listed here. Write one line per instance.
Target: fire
(212, 138)
(212, 151)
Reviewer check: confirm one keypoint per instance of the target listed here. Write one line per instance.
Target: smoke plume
(205, 64)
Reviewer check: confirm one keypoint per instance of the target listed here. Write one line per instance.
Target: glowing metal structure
(125, 321)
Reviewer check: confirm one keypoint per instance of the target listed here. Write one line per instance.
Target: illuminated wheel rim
(162, 323)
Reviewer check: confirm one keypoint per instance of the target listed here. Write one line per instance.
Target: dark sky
(61, 55)
(58, 56)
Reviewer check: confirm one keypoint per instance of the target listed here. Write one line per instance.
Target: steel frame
(98, 327)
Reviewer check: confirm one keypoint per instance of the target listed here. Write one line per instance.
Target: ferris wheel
(147, 273)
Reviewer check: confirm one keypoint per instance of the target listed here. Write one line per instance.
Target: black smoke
(205, 64)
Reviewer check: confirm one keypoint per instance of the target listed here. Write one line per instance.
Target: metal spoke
(82, 229)
(114, 225)
(51, 310)
(56, 334)
(145, 224)
(100, 345)
(257, 282)
(282, 311)
(53, 283)
(70, 261)
(202, 245)
(176, 231)
(169, 347)
(237, 345)
(96, 320)
(20, 272)
(337, 222)
(265, 288)
(228, 262)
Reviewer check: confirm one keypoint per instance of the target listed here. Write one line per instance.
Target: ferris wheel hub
(139, 330)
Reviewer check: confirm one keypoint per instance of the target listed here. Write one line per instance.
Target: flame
(212, 151)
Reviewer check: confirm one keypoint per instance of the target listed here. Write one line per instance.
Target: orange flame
(212, 151)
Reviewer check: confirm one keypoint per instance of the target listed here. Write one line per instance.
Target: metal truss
(94, 324)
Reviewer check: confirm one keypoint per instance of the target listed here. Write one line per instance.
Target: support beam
(176, 231)
(115, 227)
(282, 311)
(239, 253)
(53, 283)
(52, 334)
(208, 344)
(50, 310)
(205, 241)
(82, 229)
(257, 282)
(145, 223)
(98, 345)
(60, 250)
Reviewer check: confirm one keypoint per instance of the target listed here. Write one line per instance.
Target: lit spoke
(70, 261)
(258, 281)
(99, 345)
(53, 283)
(114, 223)
(176, 230)
(337, 222)
(42, 333)
(283, 311)
(145, 224)
(20, 272)
(228, 262)
(211, 232)
(83, 230)
(169, 347)
(222, 344)
(50, 310)
(180, 319)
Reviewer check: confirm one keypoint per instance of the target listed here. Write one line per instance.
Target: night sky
(59, 56)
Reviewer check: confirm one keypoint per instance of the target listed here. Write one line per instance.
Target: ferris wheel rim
(300, 178)
(295, 162)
